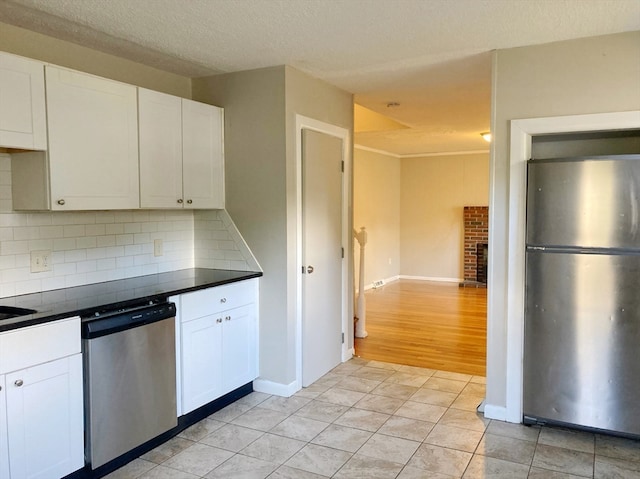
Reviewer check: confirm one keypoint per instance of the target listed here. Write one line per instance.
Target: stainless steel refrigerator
(582, 306)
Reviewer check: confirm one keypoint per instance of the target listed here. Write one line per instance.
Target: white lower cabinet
(201, 362)
(238, 347)
(4, 448)
(218, 346)
(41, 405)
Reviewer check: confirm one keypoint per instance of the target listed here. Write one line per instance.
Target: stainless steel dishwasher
(130, 379)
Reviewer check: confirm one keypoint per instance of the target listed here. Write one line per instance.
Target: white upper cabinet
(202, 155)
(93, 142)
(160, 128)
(181, 152)
(22, 105)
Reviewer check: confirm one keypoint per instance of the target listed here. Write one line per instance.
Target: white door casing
(519, 153)
(305, 123)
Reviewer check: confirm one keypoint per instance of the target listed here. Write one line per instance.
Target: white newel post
(361, 332)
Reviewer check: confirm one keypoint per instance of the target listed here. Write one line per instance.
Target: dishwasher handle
(128, 319)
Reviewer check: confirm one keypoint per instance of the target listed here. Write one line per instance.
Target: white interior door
(321, 254)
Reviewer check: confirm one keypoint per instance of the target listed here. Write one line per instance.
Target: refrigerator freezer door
(582, 333)
(590, 203)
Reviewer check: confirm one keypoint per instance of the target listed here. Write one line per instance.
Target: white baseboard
(495, 412)
(432, 278)
(386, 281)
(348, 354)
(277, 389)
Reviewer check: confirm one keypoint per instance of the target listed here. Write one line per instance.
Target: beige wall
(376, 206)
(591, 75)
(433, 193)
(260, 155)
(313, 98)
(255, 184)
(412, 208)
(48, 49)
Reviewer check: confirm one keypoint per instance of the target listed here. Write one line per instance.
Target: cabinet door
(93, 142)
(45, 419)
(22, 109)
(202, 155)
(4, 448)
(201, 362)
(238, 347)
(160, 117)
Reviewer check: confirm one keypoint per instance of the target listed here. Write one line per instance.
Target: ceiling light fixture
(487, 136)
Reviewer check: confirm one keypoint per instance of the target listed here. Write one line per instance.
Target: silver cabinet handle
(219, 320)
(18, 382)
(309, 269)
(180, 201)
(189, 201)
(223, 300)
(228, 318)
(61, 202)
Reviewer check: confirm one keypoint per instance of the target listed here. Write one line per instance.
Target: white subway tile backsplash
(125, 239)
(86, 266)
(75, 256)
(26, 233)
(64, 244)
(107, 240)
(73, 231)
(133, 249)
(95, 230)
(97, 246)
(51, 232)
(105, 264)
(6, 234)
(132, 228)
(14, 247)
(86, 242)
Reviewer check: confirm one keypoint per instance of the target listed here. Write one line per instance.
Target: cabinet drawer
(33, 345)
(213, 300)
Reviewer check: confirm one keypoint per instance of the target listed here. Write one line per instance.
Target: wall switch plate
(157, 247)
(40, 261)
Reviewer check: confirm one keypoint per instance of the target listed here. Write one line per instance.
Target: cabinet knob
(189, 201)
(219, 320)
(61, 202)
(180, 201)
(228, 318)
(18, 382)
(223, 300)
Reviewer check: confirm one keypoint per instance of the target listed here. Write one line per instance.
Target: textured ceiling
(431, 56)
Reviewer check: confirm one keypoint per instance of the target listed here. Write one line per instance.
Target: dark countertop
(84, 300)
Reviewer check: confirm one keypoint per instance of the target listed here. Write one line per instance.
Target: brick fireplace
(476, 239)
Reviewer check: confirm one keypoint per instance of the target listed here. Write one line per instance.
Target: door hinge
(342, 338)
(342, 166)
(342, 252)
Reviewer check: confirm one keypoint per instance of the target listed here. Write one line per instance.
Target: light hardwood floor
(427, 324)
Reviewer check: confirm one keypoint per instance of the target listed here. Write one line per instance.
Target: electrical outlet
(157, 247)
(40, 261)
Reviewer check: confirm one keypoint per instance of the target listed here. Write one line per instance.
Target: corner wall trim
(495, 412)
(349, 353)
(277, 389)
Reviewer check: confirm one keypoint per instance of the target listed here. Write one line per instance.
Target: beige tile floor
(370, 420)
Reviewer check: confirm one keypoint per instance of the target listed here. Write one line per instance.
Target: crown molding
(419, 155)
